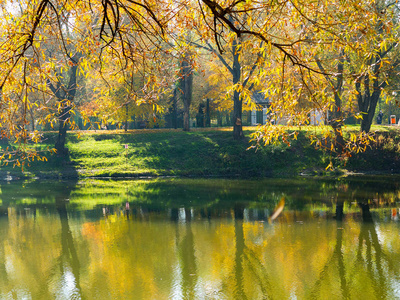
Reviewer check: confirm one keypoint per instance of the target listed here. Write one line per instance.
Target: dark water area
(305, 238)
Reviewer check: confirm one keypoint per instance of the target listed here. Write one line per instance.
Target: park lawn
(173, 153)
(203, 152)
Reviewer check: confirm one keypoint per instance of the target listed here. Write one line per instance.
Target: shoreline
(208, 153)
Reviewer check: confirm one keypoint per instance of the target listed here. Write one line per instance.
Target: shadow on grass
(172, 152)
(51, 166)
(195, 153)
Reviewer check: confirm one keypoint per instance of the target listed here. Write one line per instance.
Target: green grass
(209, 152)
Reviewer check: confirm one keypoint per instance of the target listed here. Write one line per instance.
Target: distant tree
(186, 88)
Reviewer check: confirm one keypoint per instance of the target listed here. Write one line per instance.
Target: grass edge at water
(201, 153)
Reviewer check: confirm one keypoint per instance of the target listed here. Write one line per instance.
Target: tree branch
(259, 55)
(212, 50)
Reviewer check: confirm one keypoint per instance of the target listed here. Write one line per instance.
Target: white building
(259, 117)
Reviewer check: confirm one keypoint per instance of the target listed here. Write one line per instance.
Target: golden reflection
(278, 209)
(139, 251)
(115, 258)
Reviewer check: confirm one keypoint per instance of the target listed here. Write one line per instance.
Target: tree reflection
(247, 258)
(69, 262)
(239, 292)
(372, 265)
(213, 251)
(31, 244)
(188, 260)
(338, 253)
(372, 257)
(339, 210)
(4, 281)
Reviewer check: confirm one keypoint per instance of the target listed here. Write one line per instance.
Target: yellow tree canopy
(299, 44)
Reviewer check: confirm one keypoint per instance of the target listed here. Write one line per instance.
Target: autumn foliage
(61, 61)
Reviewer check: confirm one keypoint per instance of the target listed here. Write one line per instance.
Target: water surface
(200, 239)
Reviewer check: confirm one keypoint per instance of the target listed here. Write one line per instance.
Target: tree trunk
(66, 96)
(219, 119)
(62, 132)
(337, 121)
(237, 101)
(368, 115)
(186, 116)
(126, 116)
(235, 70)
(174, 110)
(367, 102)
(187, 88)
(208, 118)
(32, 120)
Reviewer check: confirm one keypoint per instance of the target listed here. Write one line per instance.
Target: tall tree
(371, 72)
(186, 86)
(65, 94)
(352, 45)
(240, 63)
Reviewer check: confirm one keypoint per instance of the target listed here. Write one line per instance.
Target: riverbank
(201, 153)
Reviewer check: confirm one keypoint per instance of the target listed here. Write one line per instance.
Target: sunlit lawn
(200, 152)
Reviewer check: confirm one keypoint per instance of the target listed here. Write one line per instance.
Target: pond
(201, 239)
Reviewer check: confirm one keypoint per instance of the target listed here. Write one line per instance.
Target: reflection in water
(336, 259)
(4, 232)
(339, 210)
(340, 258)
(188, 260)
(368, 238)
(69, 262)
(238, 288)
(62, 244)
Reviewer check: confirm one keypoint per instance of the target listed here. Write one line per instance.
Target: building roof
(259, 98)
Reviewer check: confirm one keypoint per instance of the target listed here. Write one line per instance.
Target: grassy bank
(209, 152)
